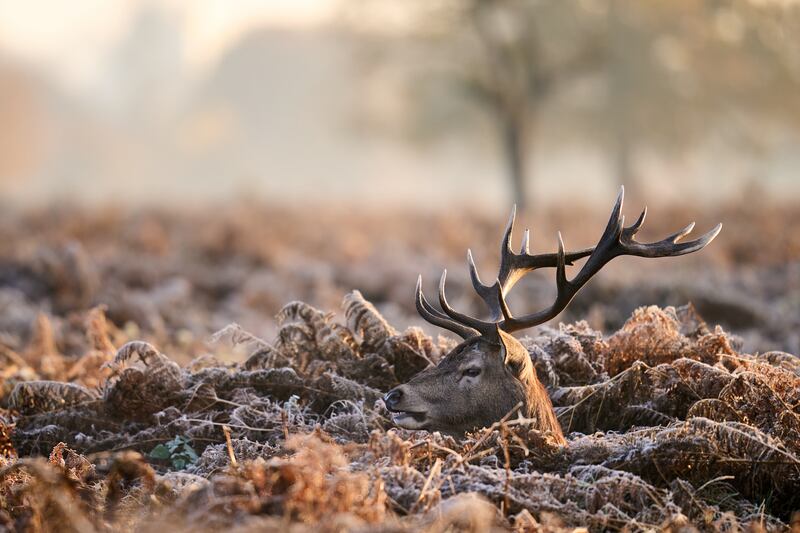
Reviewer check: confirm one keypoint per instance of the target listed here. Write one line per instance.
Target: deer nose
(392, 398)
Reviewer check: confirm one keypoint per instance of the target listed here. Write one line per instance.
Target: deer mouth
(409, 419)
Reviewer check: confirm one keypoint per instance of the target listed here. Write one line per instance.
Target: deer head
(489, 374)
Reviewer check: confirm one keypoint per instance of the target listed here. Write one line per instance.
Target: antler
(616, 240)
(513, 267)
(437, 318)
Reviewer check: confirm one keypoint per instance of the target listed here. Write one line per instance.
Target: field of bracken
(203, 369)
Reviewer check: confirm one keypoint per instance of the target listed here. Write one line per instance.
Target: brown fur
(444, 398)
(537, 401)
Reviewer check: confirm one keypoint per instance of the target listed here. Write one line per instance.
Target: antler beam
(616, 240)
(514, 266)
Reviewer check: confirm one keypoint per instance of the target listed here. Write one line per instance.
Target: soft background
(209, 161)
(170, 168)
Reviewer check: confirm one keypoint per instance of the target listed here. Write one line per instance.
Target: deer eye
(472, 372)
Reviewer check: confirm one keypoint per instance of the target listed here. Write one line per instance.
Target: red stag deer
(490, 373)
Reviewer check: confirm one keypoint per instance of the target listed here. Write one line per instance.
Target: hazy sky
(283, 108)
(70, 40)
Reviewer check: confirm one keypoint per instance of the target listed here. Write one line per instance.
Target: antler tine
(561, 270)
(616, 240)
(616, 221)
(509, 233)
(638, 224)
(484, 291)
(514, 266)
(485, 328)
(430, 314)
(503, 305)
(526, 243)
(669, 246)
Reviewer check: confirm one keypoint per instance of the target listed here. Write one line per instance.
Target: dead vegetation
(669, 425)
(119, 412)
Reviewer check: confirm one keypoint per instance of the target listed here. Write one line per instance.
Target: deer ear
(514, 354)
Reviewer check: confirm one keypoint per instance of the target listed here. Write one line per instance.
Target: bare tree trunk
(514, 145)
(509, 90)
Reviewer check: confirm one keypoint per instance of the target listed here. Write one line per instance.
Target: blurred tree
(681, 73)
(687, 74)
(625, 74)
(502, 57)
(515, 71)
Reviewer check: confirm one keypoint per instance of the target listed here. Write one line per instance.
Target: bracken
(691, 438)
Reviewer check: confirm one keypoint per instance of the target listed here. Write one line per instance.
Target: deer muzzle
(404, 412)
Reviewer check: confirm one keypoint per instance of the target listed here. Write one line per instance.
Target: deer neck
(539, 406)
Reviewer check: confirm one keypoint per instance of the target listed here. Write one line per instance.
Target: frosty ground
(122, 411)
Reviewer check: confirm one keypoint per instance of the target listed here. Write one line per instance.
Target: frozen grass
(107, 354)
(669, 425)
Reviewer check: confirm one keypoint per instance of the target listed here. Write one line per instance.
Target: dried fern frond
(308, 333)
(238, 335)
(714, 409)
(651, 335)
(146, 352)
(98, 332)
(42, 341)
(31, 397)
(365, 321)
